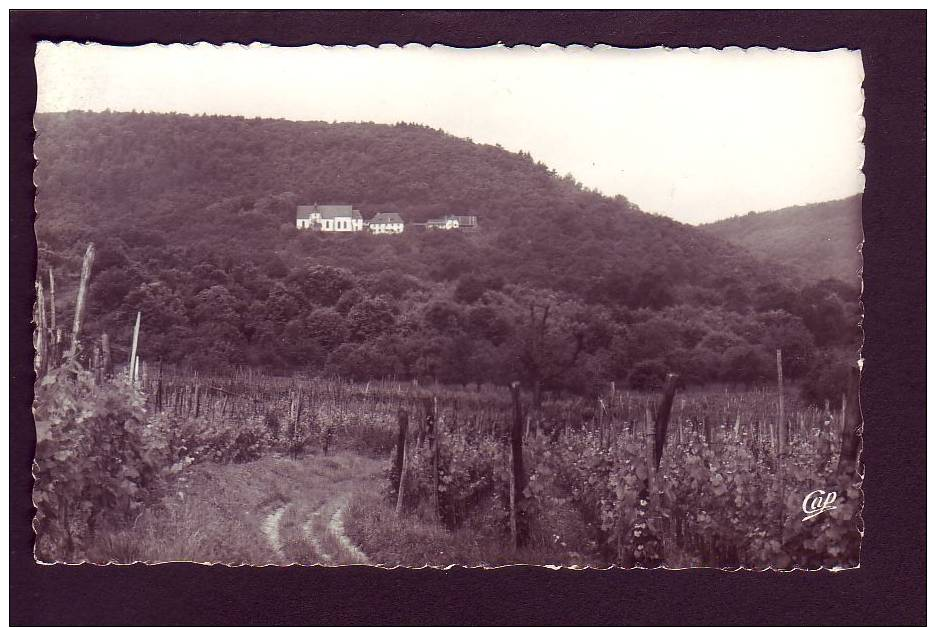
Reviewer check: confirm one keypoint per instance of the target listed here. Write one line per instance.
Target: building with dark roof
(389, 222)
(329, 218)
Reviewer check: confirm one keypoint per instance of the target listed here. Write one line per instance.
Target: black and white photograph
(408, 305)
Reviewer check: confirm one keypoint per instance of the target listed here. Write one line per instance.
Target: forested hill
(194, 221)
(820, 240)
(212, 182)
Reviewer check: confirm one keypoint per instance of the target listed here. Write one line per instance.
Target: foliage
(100, 458)
(719, 497)
(194, 222)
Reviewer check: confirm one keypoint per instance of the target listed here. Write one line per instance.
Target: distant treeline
(193, 219)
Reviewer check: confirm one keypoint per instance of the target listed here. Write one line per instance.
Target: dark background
(889, 588)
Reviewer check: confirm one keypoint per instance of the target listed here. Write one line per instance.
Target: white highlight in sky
(697, 135)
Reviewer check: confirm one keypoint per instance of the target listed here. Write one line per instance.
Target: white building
(329, 218)
(446, 223)
(386, 223)
(452, 222)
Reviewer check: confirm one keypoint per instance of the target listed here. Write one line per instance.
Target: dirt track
(296, 507)
(310, 529)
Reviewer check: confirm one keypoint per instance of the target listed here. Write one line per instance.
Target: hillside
(193, 217)
(819, 240)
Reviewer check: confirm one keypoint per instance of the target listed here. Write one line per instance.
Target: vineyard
(678, 477)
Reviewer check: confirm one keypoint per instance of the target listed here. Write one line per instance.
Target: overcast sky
(695, 135)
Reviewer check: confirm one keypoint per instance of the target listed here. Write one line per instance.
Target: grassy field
(276, 510)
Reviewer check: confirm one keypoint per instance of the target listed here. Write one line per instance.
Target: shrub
(99, 456)
(827, 380)
(648, 375)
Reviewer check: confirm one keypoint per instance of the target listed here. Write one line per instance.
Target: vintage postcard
(408, 306)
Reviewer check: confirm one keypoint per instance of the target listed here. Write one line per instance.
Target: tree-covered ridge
(193, 218)
(819, 240)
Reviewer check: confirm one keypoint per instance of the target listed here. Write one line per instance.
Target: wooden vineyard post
(133, 349)
(844, 408)
(517, 475)
(51, 300)
(42, 333)
(80, 304)
(159, 387)
(651, 452)
(781, 419)
(105, 355)
(599, 420)
(781, 440)
(52, 345)
(681, 419)
(402, 427)
(664, 409)
(851, 431)
(434, 443)
(296, 434)
(96, 365)
(402, 485)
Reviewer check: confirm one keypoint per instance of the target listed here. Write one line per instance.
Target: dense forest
(819, 240)
(566, 289)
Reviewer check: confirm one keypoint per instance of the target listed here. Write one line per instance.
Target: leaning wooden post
(133, 349)
(517, 475)
(402, 426)
(435, 468)
(402, 486)
(42, 333)
(80, 304)
(52, 345)
(663, 417)
(851, 432)
(105, 354)
(651, 449)
(781, 440)
(781, 419)
(51, 300)
(96, 364)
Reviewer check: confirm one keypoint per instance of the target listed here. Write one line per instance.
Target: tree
(109, 289)
(827, 320)
(788, 333)
(284, 304)
(746, 364)
(327, 327)
(827, 378)
(489, 323)
(362, 362)
(471, 287)
(653, 291)
(548, 340)
(215, 304)
(319, 284)
(443, 315)
(370, 318)
(775, 295)
(649, 374)
(392, 283)
(653, 339)
(162, 307)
